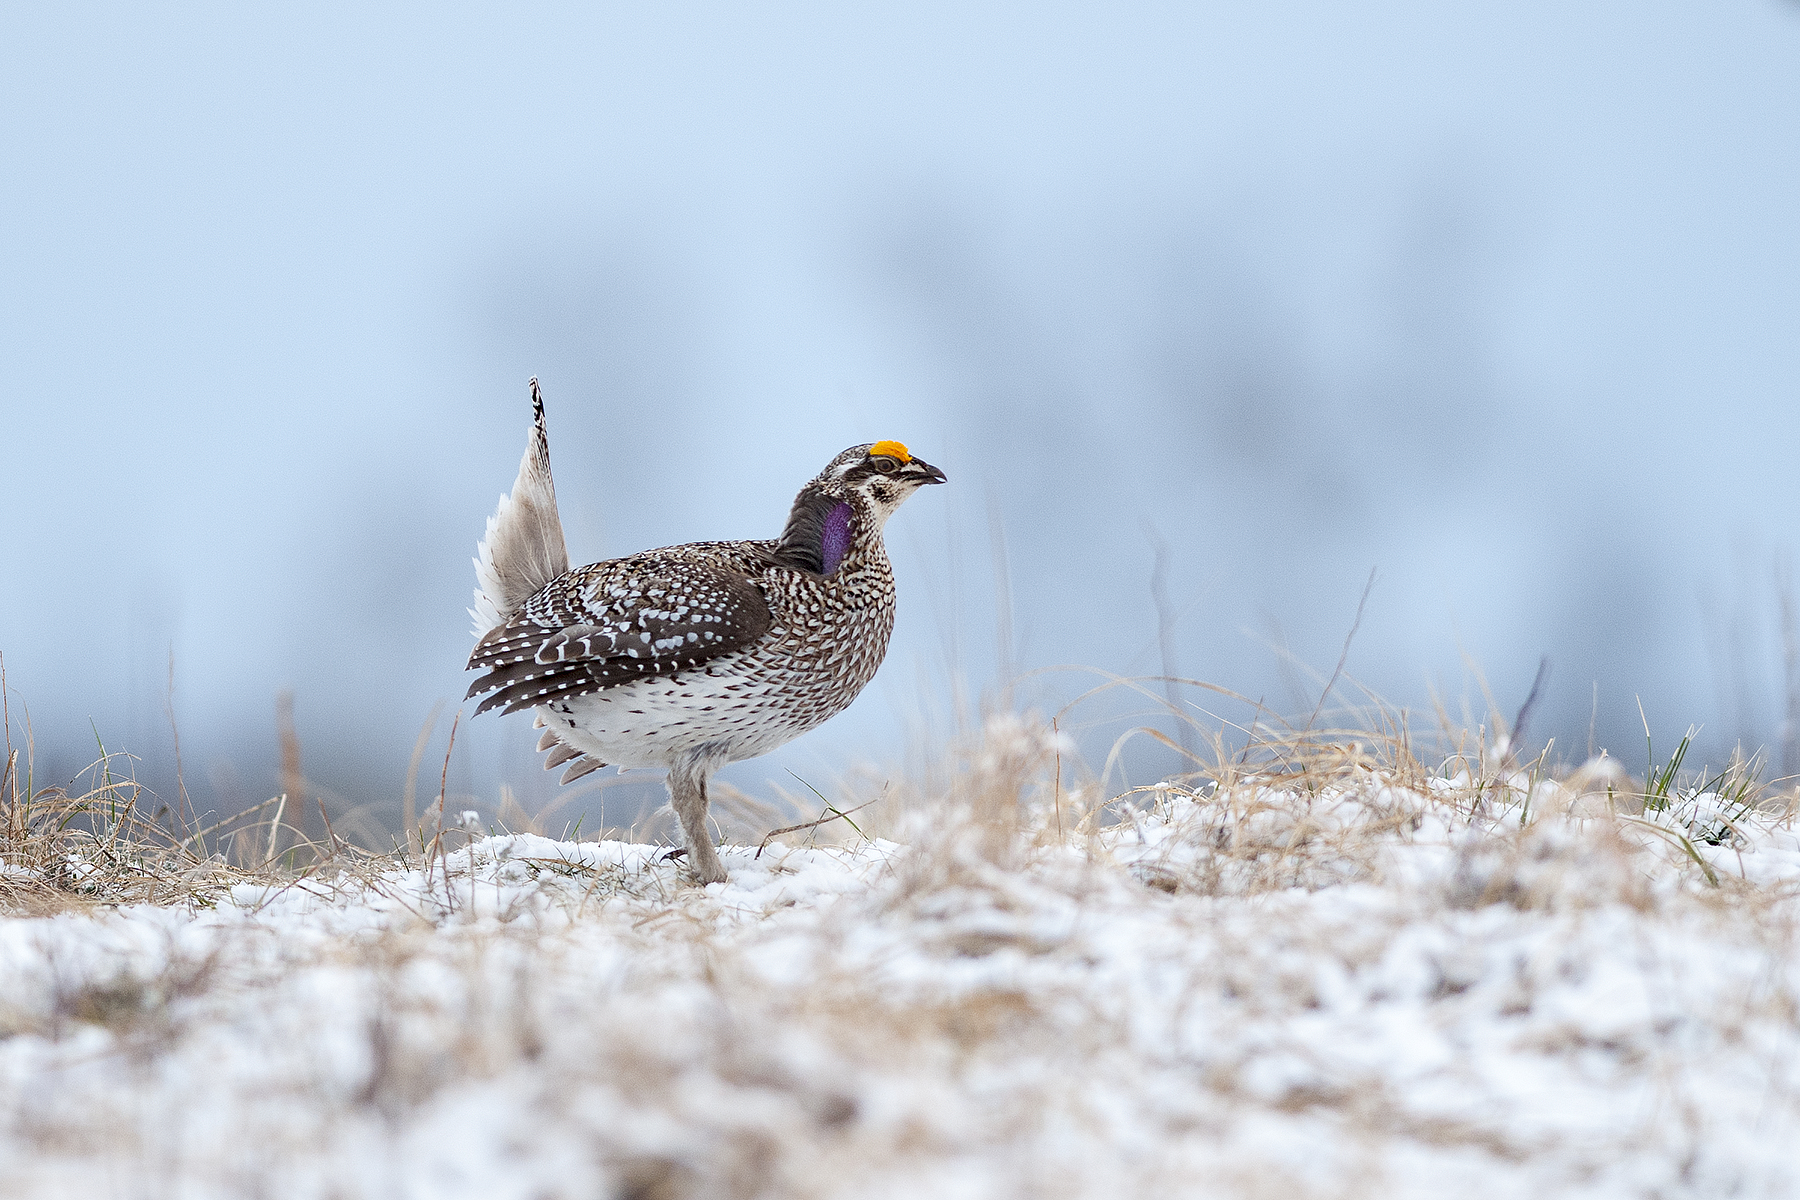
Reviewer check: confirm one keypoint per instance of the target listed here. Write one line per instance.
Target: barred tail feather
(523, 549)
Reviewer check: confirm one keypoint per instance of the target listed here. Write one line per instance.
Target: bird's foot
(706, 868)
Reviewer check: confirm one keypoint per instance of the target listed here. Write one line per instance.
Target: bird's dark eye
(884, 464)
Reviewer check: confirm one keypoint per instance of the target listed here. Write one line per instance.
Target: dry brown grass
(94, 842)
(1270, 805)
(649, 1029)
(1263, 806)
(103, 839)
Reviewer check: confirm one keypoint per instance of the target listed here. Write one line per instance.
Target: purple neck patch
(836, 542)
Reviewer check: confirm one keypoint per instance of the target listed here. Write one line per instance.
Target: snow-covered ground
(1373, 990)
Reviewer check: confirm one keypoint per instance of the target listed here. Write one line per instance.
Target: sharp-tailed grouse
(693, 656)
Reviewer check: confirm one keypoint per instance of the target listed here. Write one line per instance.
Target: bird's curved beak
(922, 472)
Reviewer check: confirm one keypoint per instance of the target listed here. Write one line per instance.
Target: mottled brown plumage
(693, 656)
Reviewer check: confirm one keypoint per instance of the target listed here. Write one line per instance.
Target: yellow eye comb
(890, 450)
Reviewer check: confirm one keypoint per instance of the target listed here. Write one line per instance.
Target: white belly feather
(648, 723)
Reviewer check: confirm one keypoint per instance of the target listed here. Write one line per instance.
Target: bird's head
(858, 491)
(881, 475)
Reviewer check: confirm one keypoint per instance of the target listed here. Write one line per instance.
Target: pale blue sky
(1501, 299)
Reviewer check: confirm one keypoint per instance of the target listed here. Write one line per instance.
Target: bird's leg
(687, 794)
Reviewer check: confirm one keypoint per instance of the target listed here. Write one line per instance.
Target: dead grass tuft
(103, 839)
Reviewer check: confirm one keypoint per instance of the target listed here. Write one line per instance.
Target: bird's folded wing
(615, 622)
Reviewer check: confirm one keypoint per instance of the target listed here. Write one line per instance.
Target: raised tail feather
(523, 549)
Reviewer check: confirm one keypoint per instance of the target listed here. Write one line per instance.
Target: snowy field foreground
(1249, 990)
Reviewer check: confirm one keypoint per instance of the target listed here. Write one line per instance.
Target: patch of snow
(1255, 993)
